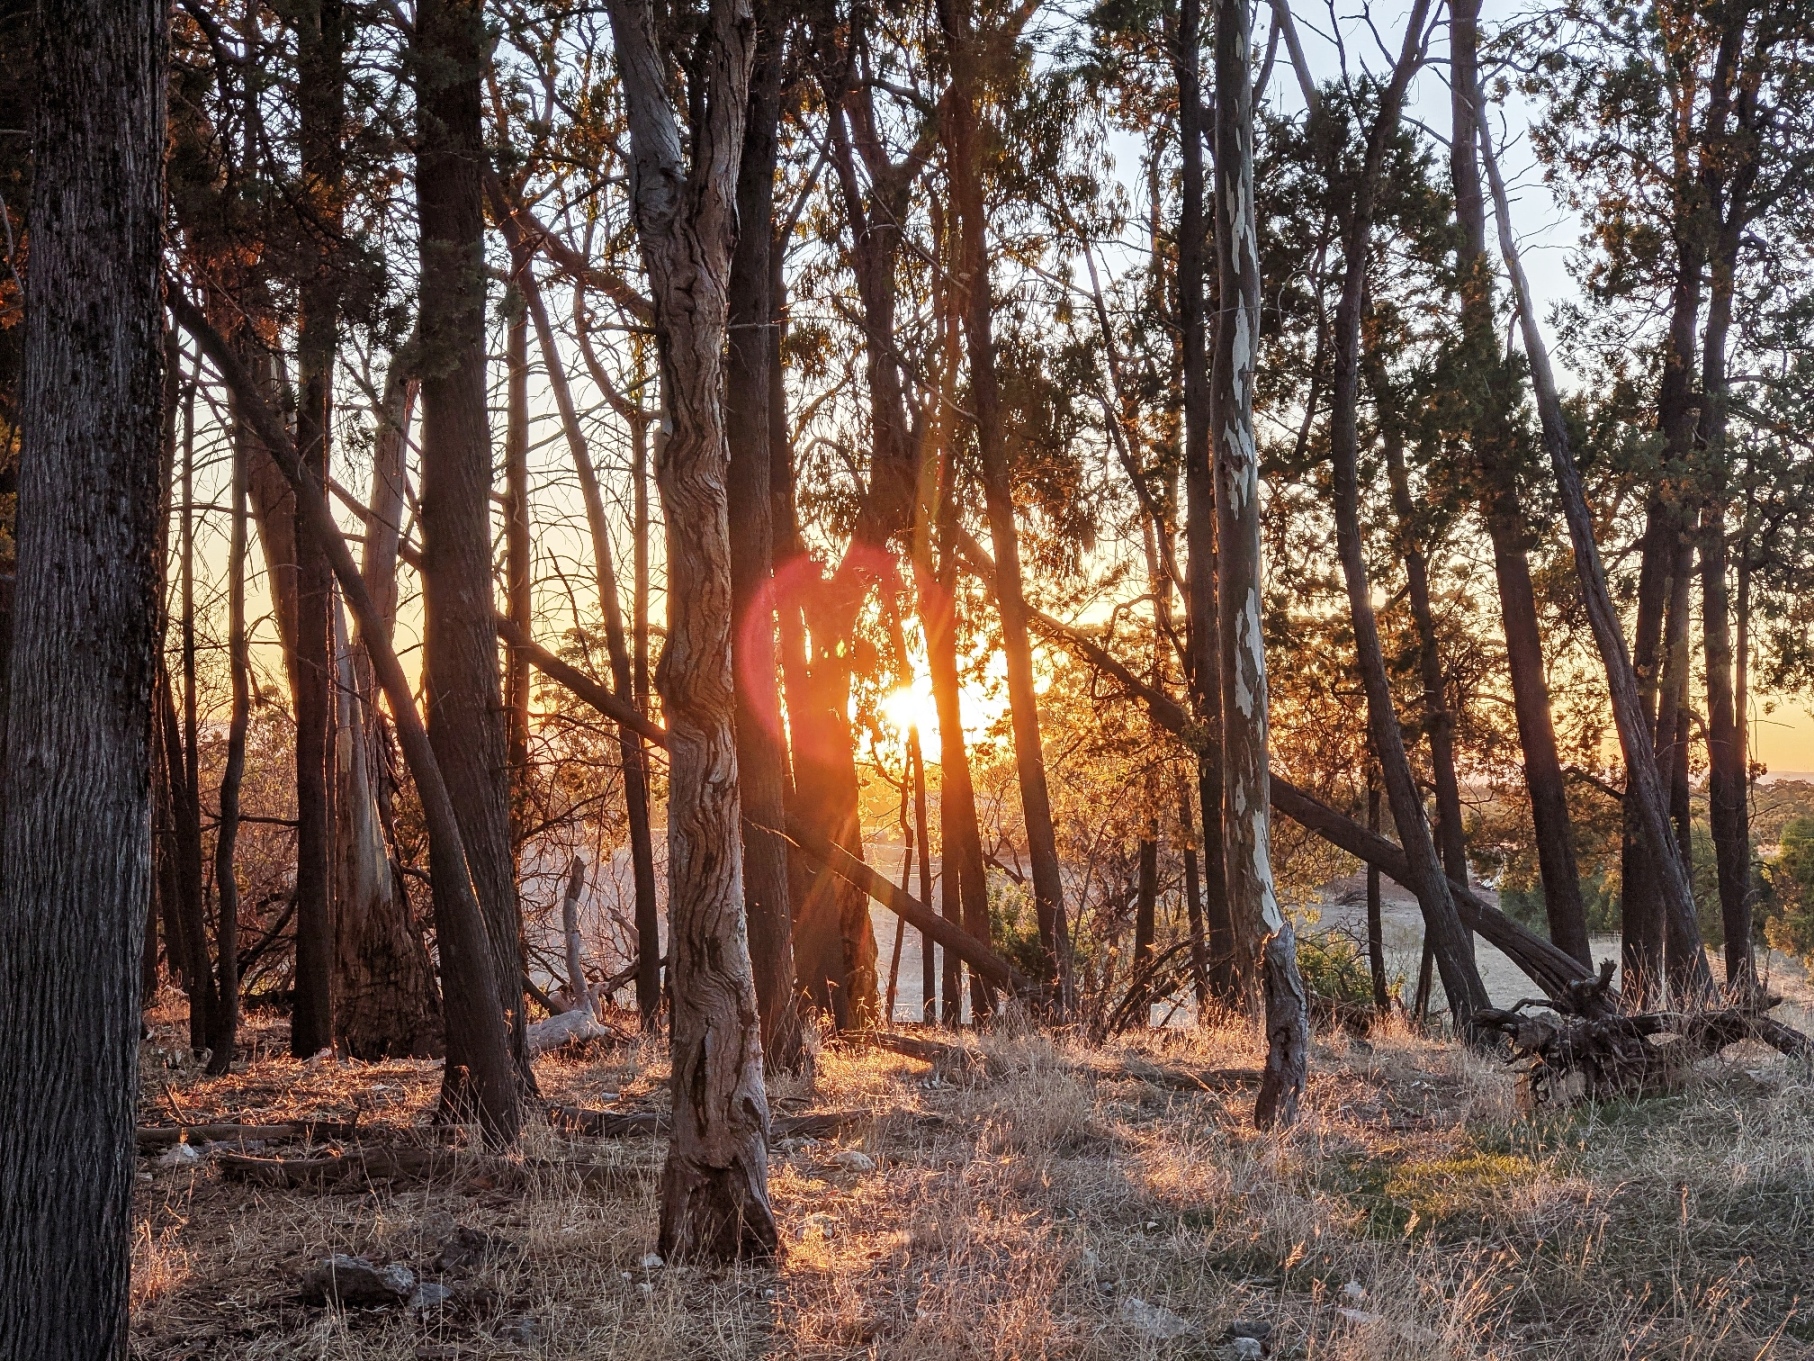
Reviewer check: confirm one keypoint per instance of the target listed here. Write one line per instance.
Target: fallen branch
(1563, 1059)
(311, 1131)
(941, 1054)
(898, 901)
(641, 1124)
(367, 1166)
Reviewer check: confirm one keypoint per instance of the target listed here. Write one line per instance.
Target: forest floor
(1032, 1199)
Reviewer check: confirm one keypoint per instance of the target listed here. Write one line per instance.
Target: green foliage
(1788, 915)
(1334, 968)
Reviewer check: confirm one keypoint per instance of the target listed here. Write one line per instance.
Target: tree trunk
(386, 1003)
(1442, 927)
(1439, 723)
(75, 830)
(519, 601)
(714, 1192)
(321, 100)
(965, 139)
(1193, 903)
(460, 646)
(966, 885)
(1494, 455)
(761, 764)
(1247, 823)
(224, 1033)
(1727, 778)
(648, 919)
(1643, 785)
(1376, 935)
(1229, 977)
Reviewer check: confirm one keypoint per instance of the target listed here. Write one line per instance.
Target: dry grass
(1016, 1205)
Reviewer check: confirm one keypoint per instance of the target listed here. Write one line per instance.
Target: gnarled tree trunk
(714, 1192)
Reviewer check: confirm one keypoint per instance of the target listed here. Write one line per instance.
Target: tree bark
(1246, 822)
(1491, 435)
(964, 135)
(761, 761)
(518, 587)
(714, 1193)
(460, 646)
(1643, 785)
(321, 101)
(75, 819)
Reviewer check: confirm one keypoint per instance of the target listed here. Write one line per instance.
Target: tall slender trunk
(1643, 784)
(460, 646)
(1193, 903)
(1442, 927)
(965, 141)
(75, 816)
(1439, 723)
(1376, 934)
(714, 1192)
(761, 765)
(921, 825)
(1491, 436)
(321, 99)
(648, 914)
(519, 602)
(224, 1033)
(1727, 779)
(1247, 822)
(1229, 978)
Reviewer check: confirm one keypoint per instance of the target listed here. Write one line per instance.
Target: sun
(911, 706)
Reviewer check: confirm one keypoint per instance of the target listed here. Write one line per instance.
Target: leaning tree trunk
(714, 1191)
(1640, 909)
(966, 140)
(1491, 435)
(460, 643)
(1246, 823)
(475, 1026)
(1442, 927)
(518, 588)
(761, 759)
(1643, 783)
(75, 833)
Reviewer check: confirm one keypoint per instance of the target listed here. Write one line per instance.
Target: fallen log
(311, 1131)
(362, 1167)
(635, 1124)
(1549, 966)
(1562, 1059)
(359, 1164)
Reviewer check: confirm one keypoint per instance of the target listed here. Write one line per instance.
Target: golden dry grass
(1017, 1204)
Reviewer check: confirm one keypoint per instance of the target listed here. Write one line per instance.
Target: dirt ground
(1039, 1199)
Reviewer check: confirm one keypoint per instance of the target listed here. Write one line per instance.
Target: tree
(714, 1190)
(1246, 822)
(75, 847)
(460, 652)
